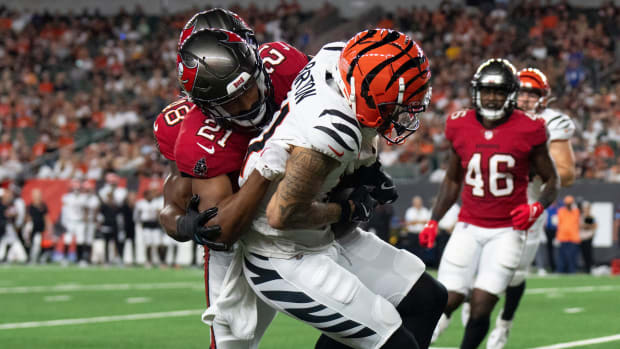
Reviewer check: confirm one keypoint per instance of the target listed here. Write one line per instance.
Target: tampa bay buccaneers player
(534, 95)
(245, 84)
(493, 148)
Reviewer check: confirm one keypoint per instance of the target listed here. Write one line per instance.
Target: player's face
(527, 99)
(492, 98)
(244, 102)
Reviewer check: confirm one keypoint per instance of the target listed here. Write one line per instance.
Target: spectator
(415, 218)
(586, 234)
(551, 228)
(568, 236)
(37, 214)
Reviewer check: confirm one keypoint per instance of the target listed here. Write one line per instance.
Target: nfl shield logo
(488, 134)
(200, 169)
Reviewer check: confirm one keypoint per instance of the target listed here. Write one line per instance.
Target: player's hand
(525, 215)
(428, 234)
(193, 225)
(383, 189)
(358, 207)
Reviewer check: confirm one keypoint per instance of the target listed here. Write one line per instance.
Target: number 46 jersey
(496, 164)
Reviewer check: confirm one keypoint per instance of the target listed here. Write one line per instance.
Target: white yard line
(581, 343)
(98, 319)
(577, 289)
(100, 287)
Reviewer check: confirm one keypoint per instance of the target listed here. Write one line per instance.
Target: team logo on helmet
(200, 169)
(186, 73)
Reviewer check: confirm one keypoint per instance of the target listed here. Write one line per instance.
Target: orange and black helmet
(386, 78)
(534, 79)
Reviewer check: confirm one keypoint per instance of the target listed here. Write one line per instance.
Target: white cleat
(499, 336)
(442, 324)
(465, 311)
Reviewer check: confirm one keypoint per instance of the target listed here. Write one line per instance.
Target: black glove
(363, 206)
(383, 189)
(193, 224)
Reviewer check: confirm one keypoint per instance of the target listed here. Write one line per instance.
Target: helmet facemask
(248, 120)
(401, 118)
(494, 113)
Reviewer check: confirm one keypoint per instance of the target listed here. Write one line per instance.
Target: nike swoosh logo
(384, 187)
(155, 126)
(209, 150)
(336, 152)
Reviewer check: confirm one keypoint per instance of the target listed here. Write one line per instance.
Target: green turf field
(152, 308)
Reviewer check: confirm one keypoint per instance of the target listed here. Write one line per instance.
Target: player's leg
(216, 266)
(397, 276)
(456, 270)
(514, 292)
(315, 289)
(499, 258)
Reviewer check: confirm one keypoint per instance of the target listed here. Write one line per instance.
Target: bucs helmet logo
(186, 74)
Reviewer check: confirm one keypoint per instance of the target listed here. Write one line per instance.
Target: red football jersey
(282, 62)
(496, 163)
(167, 125)
(204, 149)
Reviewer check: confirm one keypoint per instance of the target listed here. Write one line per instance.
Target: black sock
(401, 339)
(513, 297)
(422, 307)
(325, 342)
(475, 331)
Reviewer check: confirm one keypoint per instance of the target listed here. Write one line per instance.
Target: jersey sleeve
(333, 133)
(282, 62)
(206, 150)
(167, 125)
(560, 127)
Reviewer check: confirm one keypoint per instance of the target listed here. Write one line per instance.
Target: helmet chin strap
(352, 95)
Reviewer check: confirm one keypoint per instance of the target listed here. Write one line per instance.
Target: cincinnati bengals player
(534, 96)
(494, 146)
(328, 127)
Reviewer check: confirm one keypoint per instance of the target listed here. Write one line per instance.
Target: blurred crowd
(86, 87)
(108, 224)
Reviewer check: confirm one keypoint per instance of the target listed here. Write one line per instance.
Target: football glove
(193, 224)
(525, 215)
(428, 234)
(380, 183)
(363, 206)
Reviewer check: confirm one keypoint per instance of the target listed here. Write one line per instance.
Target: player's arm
(293, 205)
(544, 167)
(235, 211)
(448, 194)
(177, 192)
(561, 152)
(450, 187)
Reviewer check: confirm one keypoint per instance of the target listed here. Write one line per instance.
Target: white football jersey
(90, 204)
(316, 116)
(148, 211)
(560, 127)
(72, 207)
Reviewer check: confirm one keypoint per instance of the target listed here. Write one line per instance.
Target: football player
(493, 148)
(246, 84)
(534, 95)
(360, 291)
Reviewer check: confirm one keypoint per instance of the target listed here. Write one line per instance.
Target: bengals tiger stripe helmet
(385, 76)
(534, 80)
